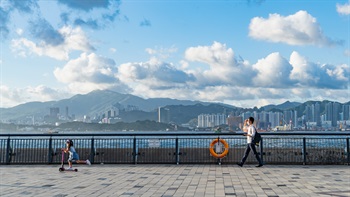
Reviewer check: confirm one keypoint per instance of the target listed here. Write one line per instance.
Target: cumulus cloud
(303, 71)
(343, 8)
(272, 71)
(208, 73)
(89, 72)
(87, 68)
(223, 66)
(14, 96)
(154, 73)
(298, 29)
(69, 40)
(315, 75)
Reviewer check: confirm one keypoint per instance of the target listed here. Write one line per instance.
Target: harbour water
(164, 141)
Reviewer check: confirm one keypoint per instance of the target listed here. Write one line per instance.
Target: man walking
(250, 129)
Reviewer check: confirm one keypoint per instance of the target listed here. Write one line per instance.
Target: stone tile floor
(175, 180)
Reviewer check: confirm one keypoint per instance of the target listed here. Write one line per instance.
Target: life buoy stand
(218, 155)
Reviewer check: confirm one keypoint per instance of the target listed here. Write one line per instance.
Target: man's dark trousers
(250, 146)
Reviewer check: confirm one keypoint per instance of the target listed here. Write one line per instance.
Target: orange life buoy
(218, 155)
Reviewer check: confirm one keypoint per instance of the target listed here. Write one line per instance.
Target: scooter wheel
(60, 169)
(76, 170)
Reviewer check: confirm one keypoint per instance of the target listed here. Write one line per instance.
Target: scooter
(61, 169)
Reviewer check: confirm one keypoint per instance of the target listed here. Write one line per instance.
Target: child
(73, 155)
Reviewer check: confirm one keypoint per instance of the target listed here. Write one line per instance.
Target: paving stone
(175, 180)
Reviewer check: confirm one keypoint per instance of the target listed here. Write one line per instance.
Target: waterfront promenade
(176, 180)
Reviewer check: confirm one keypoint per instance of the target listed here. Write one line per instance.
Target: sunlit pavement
(175, 180)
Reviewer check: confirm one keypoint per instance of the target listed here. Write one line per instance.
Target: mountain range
(133, 108)
(91, 104)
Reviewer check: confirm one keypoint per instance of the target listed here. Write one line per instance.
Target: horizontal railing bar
(173, 134)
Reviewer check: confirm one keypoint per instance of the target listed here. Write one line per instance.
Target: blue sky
(241, 52)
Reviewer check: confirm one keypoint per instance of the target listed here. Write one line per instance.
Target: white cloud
(223, 78)
(272, 79)
(154, 73)
(272, 71)
(303, 71)
(160, 52)
(74, 40)
(223, 66)
(88, 72)
(340, 72)
(315, 75)
(343, 9)
(15, 96)
(298, 29)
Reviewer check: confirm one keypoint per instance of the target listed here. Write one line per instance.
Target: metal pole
(348, 150)
(92, 152)
(8, 151)
(134, 151)
(177, 150)
(49, 155)
(218, 144)
(261, 151)
(304, 151)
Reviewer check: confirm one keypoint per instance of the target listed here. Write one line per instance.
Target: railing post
(134, 151)
(304, 151)
(92, 152)
(177, 150)
(261, 150)
(8, 151)
(49, 154)
(348, 150)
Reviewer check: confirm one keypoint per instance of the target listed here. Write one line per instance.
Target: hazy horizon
(201, 101)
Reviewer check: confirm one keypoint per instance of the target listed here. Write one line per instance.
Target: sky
(244, 53)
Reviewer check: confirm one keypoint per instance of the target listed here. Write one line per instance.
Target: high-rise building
(163, 115)
(332, 113)
(309, 111)
(335, 114)
(346, 112)
(246, 115)
(211, 120)
(288, 116)
(329, 110)
(67, 115)
(54, 111)
(234, 122)
(317, 114)
(295, 119)
(275, 119)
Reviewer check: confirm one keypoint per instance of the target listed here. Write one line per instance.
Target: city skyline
(243, 53)
(334, 116)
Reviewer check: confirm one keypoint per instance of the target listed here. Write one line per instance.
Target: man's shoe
(240, 164)
(258, 166)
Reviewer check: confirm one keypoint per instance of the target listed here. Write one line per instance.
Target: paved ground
(175, 180)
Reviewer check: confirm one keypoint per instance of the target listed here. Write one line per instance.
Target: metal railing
(175, 148)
